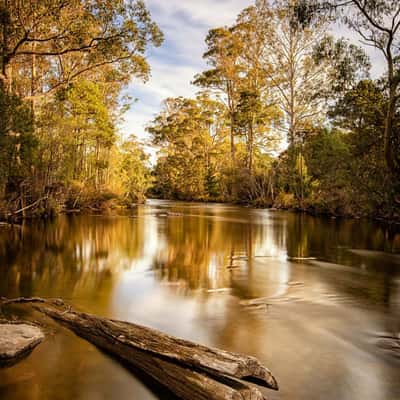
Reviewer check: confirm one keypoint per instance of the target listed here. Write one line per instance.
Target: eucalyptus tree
(76, 134)
(192, 136)
(283, 71)
(69, 59)
(377, 23)
(180, 134)
(223, 52)
(18, 146)
(257, 114)
(289, 65)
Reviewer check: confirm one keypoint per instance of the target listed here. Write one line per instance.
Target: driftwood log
(189, 370)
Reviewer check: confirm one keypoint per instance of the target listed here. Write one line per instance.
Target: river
(331, 289)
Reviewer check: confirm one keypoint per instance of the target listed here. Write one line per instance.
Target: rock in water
(17, 340)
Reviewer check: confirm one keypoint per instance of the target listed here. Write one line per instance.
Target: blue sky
(185, 24)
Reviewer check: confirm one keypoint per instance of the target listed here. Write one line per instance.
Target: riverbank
(63, 202)
(106, 201)
(309, 209)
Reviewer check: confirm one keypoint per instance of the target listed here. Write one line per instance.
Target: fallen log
(185, 383)
(189, 370)
(182, 351)
(17, 340)
(34, 204)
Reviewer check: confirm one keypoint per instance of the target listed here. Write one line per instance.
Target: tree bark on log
(189, 370)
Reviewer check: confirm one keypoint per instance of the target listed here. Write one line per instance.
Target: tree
(77, 36)
(257, 115)
(135, 175)
(331, 187)
(77, 132)
(258, 121)
(181, 133)
(17, 144)
(191, 138)
(290, 67)
(68, 60)
(361, 114)
(223, 51)
(377, 22)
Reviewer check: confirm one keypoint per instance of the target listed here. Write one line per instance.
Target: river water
(330, 294)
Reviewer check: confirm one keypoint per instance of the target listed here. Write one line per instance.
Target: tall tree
(290, 67)
(17, 144)
(69, 59)
(257, 114)
(223, 52)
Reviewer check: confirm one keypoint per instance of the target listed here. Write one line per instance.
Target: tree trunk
(391, 139)
(232, 120)
(391, 145)
(233, 152)
(251, 148)
(33, 83)
(178, 350)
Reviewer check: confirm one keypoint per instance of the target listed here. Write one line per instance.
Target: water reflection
(189, 269)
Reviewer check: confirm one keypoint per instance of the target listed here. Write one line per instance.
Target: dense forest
(287, 114)
(64, 65)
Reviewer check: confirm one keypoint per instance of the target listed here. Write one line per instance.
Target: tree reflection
(206, 247)
(186, 268)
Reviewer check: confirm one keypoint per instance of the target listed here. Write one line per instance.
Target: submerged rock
(17, 340)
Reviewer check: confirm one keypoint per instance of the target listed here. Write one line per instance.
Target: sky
(185, 24)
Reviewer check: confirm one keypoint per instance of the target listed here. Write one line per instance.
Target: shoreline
(6, 218)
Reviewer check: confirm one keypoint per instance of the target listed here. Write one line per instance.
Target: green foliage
(211, 183)
(77, 133)
(69, 60)
(327, 154)
(134, 173)
(348, 63)
(17, 142)
(192, 140)
(78, 37)
(345, 167)
(362, 114)
(377, 24)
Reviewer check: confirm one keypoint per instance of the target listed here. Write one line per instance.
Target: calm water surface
(194, 270)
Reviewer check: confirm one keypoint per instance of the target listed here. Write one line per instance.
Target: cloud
(167, 80)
